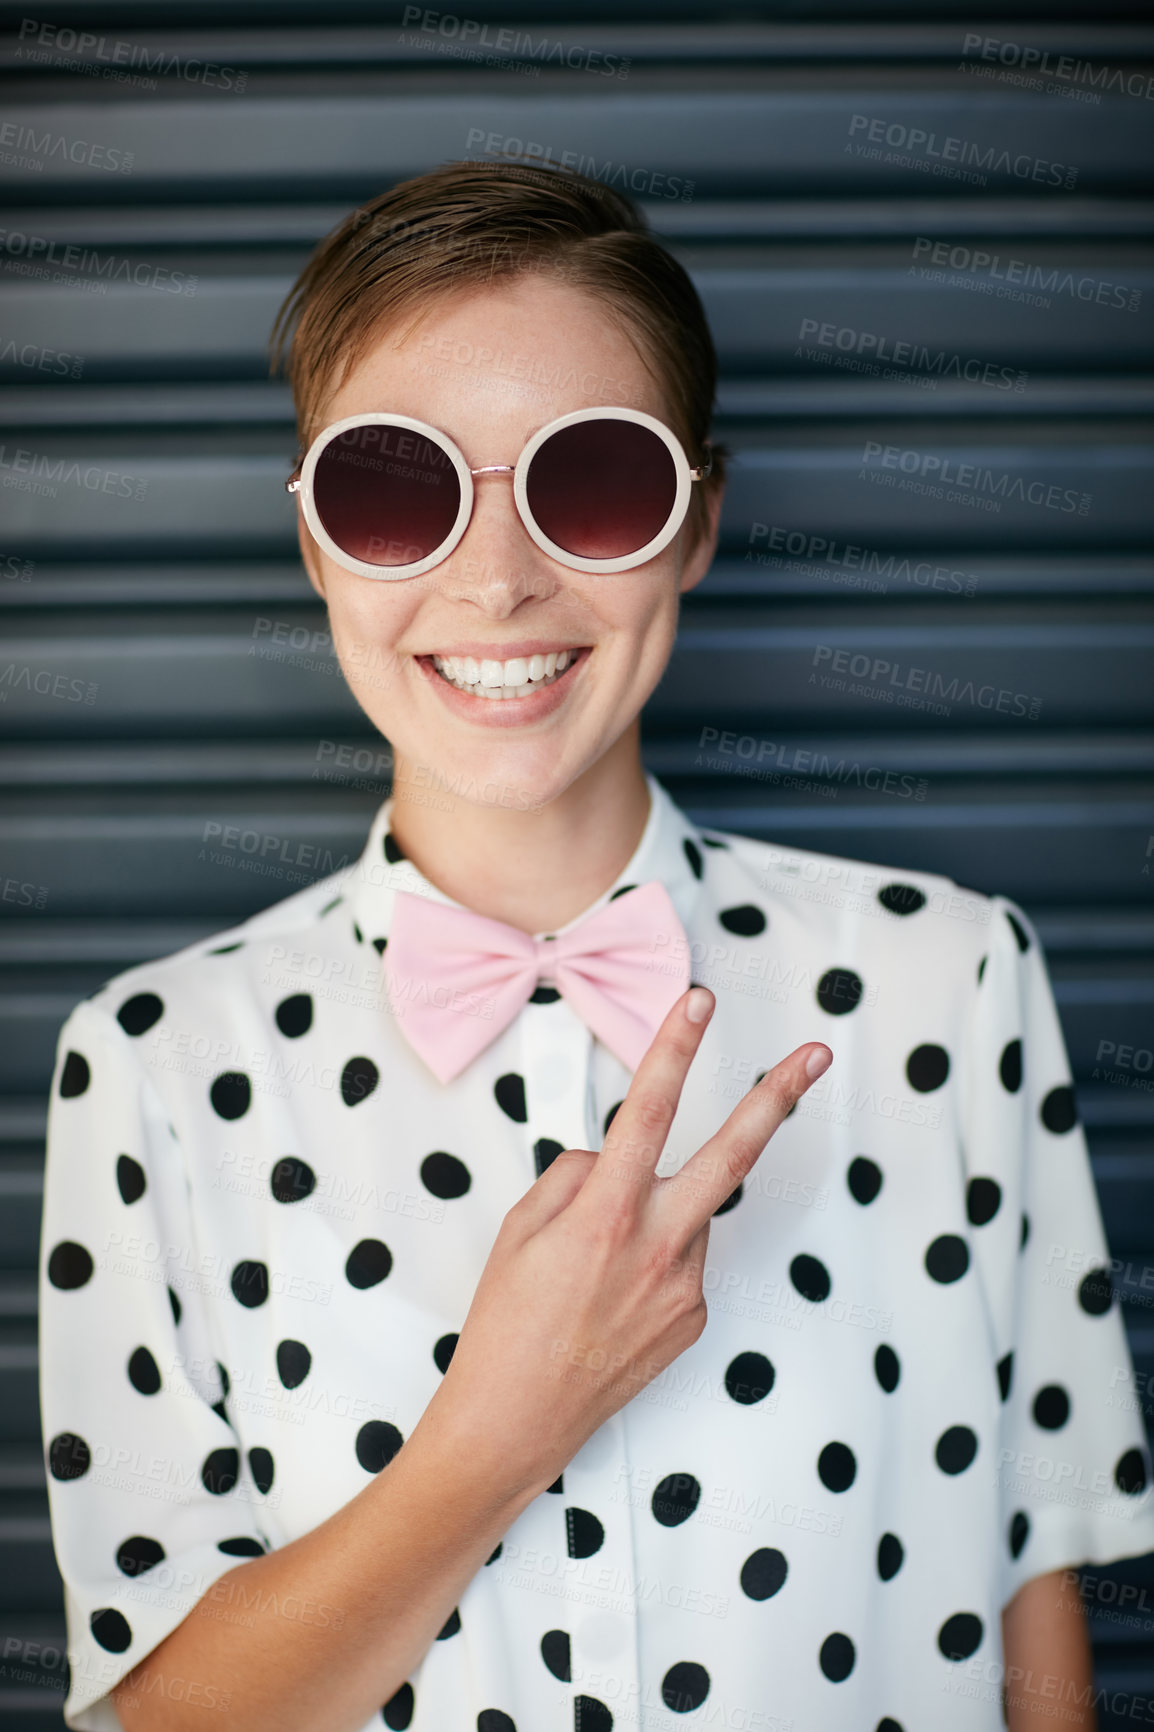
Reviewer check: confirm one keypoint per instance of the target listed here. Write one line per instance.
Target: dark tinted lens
(385, 494)
(602, 489)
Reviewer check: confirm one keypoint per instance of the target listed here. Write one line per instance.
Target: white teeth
(515, 678)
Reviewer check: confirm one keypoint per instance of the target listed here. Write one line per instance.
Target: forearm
(1048, 1660)
(384, 1573)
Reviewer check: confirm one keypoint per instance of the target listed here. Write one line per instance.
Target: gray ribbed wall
(136, 713)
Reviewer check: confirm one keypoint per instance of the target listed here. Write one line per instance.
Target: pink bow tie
(456, 979)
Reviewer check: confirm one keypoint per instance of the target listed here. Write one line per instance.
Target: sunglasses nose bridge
(494, 469)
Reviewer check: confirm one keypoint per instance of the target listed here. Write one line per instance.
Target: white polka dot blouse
(265, 1219)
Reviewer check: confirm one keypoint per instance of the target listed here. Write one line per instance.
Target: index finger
(703, 1182)
(624, 1170)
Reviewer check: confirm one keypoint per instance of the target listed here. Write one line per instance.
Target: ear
(310, 555)
(700, 555)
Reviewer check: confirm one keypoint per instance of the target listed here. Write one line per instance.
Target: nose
(496, 565)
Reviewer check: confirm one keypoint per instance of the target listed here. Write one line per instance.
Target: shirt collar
(670, 851)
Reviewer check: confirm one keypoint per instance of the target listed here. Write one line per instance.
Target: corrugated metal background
(908, 189)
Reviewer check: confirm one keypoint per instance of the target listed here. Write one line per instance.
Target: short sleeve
(1072, 1464)
(146, 1489)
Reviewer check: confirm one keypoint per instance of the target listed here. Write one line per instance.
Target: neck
(533, 870)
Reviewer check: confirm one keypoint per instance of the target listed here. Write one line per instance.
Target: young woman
(454, 1318)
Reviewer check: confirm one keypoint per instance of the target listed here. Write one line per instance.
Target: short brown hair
(469, 224)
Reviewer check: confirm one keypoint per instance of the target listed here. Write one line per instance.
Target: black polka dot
(693, 855)
(510, 1092)
(1005, 1375)
(368, 1263)
(927, 1068)
(220, 1471)
(545, 1152)
(393, 850)
(494, 1555)
(811, 1278)
(75, 1076)
(443, 1352)
(1019, 931)
(555, 1653)
(622, 890)
(292, 1179)
(444, 1175)
(69, 1265)
(583, 1532)
(249, 1283)
(1051, 1407)
(714, 842)
(1059, 1110)
(1025, 1232)
(731, 1201)
(357, 933)
(745, 921)
(174, 1303)
(685, 1687)
(139, 1013)
(496, 1720)
(839, 990)
(948, 1258)
(763, 1573)
(358, 1080)
(610, 1116)
(837, 1467)
(901, 898)
(888, 1724)
(591, 1715)
(227, 949)
(397, 1712)
(749, 1378)
(379, 945)
(675, 1499)
(451, 1626)
(231, 1095)
(956, 1449)
(1096, 1292)
(837, 1657)
(891, 1554)
(1019, 1532)
(887, 1368)
(960, 1636)
(1130, 1473)
(243, 1546)
(130, 1179)
(293, 1362)
(1010, 1066)
(544, 995)
(377, 1444)
(983, 1200)
(263, 1469)
(144, 1372)
(69, 1457)
(294, 1016)
(982, 968)
(558, 1486)
(864, 1178)
(111, 1629)
(136, 1555)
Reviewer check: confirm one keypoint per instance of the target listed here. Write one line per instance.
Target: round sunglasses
(598, 490)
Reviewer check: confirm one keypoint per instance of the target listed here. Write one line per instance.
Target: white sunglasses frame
(303, 486)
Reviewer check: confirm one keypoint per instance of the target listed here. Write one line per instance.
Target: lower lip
(503, 712)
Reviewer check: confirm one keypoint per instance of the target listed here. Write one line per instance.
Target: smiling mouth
(519, 677)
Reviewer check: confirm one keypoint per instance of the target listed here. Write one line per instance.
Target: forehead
(489, 366)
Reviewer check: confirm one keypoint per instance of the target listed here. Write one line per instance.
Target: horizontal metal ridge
(293, 223)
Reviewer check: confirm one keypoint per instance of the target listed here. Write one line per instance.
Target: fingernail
(819, 1059)
(697, 1005)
